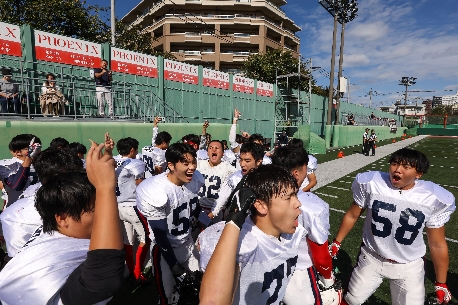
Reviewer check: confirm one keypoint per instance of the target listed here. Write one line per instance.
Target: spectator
(103, 80)
(9, 91)
(58, 143)
(51, 100)
(282, 138)
(373, 116)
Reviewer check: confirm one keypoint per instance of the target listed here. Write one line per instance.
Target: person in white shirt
(251, 259)
(399, 207)
(154, 156)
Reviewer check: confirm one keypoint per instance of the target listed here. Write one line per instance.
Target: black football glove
(240, 203)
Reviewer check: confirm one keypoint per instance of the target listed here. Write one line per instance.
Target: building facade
(450, 100)
(216, 34)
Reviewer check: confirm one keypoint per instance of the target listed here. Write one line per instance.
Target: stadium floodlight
(406, 81)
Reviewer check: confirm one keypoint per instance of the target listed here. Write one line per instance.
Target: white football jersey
(395, 219)
(20, 220)
(10, 167)
(38, 272)
(226, 189)
(314, 218)
(266, 160)
(153, 156)
(202, 154)
(214, 176)
(266, 263)
(127, 171)
(159, 198)
(311, 168)
(230, 157)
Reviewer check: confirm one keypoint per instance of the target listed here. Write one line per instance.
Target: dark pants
(366, 148)
(372, 145)
(16, 103)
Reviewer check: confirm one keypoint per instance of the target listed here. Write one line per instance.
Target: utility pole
(113, 23)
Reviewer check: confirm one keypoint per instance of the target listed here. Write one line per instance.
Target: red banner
(243, 84)
(264, 89)
(216, 79)
(10, 39)
(181, 72)
(133, 63)
(67, 50)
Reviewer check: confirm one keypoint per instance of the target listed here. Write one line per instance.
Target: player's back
(396, 218)
(152, 157)
(127, 171)
(38, 272)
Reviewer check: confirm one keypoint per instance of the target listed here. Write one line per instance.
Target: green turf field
(443, 156)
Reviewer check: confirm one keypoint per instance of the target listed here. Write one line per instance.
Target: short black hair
(59, 143)
(295, 142)
(224, 143)
(104, 61)
(163, 137)
(76, 148)
(217, 141)
(239, 139)
(290, 157)
(411, 157)
(255, 149)
(175, 153)
(256, 137)
(191, 139)
(53, 161)
(22, 141)
(70, 194)
(270, 180)
(124, 145)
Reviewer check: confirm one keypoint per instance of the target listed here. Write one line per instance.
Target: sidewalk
(330, 171)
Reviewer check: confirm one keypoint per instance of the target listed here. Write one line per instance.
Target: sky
(389, 39)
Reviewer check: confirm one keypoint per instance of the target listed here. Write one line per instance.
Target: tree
(74, 18)
(69, 18)
(265, 67)
(442, 110)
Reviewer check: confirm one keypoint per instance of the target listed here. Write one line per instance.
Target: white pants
(132, 219)
(406, 280)
(104, 93)
(303, 289)
(186, 254)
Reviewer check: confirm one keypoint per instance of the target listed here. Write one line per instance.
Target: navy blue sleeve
(160, 230)
(18, 180)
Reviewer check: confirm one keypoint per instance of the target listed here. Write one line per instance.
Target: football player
(310, 180)
(215, 172)
(20, 223)
(168, 201)
(17, 176)
(255, 268)
(399, 207)
(129, 173)
(77, 256)
(313, 254)
(257, 138)
(250, 157)
(79, 150)
(154, 156)
(205, 139)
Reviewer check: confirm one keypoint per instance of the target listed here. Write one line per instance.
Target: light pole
(406, 81)
(113, 23)
(347, 13)
(310, 90)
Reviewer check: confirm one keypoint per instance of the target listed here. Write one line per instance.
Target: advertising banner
(264, 89)
(133, 63)
(243, 84)
(10, 39)
(181, 72)
(67, 50)
(216, 79)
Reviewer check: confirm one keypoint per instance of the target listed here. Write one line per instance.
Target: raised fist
(239, 204)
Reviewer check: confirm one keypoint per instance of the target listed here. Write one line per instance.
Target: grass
(443, 156)
(331, 154)
(442, 153)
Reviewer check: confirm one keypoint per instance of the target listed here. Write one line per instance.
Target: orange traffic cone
(394, 141)
(404, 135)
(402, 139)
(410, 137)
(340, 154)
(375, 146)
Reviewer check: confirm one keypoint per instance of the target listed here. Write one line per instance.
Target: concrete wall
(352, 135)
(83, 131)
